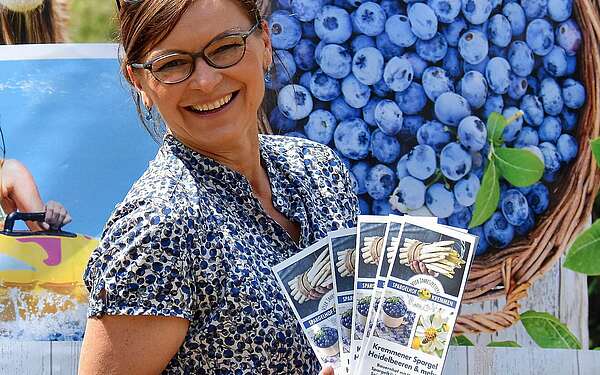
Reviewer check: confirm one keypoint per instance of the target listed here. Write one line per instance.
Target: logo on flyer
(426, 286)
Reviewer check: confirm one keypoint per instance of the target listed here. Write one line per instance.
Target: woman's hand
(56, 216)
(327, 371)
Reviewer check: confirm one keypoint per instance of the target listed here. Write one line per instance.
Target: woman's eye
(172, 64)
(225, 48)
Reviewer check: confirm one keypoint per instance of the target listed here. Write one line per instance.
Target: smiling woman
(181, 281)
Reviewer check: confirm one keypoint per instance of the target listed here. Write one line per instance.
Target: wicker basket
(509, 273)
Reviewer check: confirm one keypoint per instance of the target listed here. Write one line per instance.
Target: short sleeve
(143, 264)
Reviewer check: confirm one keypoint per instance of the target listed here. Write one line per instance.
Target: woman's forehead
(203, 21)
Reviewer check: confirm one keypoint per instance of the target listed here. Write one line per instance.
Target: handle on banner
(9, 223)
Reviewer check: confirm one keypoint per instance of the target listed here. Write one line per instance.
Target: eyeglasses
(222, 52)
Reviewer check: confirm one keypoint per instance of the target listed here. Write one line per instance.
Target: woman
(181, 282)
(18, 192)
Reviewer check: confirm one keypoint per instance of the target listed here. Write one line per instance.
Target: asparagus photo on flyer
(420, 302)
(306, 280)
(342, 246)
(370, 232)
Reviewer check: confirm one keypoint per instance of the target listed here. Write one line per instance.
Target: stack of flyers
(381, 298)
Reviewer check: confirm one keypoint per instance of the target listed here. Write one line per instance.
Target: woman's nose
(205, 77)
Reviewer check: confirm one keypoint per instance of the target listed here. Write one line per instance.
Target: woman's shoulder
(295, 149)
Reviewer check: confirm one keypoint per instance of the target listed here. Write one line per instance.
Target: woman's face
(181, 104)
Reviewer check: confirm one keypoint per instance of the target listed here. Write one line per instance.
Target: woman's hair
(144, 24)
(44, 24)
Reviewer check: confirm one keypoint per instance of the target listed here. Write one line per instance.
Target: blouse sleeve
(143, 265)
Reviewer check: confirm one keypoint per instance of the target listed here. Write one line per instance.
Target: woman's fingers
(327, 371)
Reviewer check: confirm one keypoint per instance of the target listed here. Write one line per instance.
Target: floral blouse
(191, 240)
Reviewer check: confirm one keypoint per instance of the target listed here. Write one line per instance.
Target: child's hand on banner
(56, 216)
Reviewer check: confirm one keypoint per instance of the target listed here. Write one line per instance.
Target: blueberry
(326, 337)
(527, 226)
(567, 147)
(333, 25)
(410, 126)
(367, 65)
(472, 133)
(318, 50)
(397, 27)
(480, 67)
(391, 7)
(410, 194)
(460, 218)
(419, 65)
(421, 162)
(388, 117)
(513, 129)
(394, 307)
(324, 87)
(560, 10)
(497, 73)
(342, 111)
(352, 138)
(473, 46)
(346, 319)
(527, 137)
(362, 305)
(284, 4)
(569, 120)
(295, 102)
(360, 42)
(355, 93)
(533, 110)
(308, 30)
(540, 36)
(551, 157)
(473, 87)
(536, 151)
(555, 62)
(281, 123)
(320, 126)
(568, 36)
(304, 54)
(452, 63)
(434, 49)
(535, 8)
(445, 10)
(369, 19)
(552, 98)
(368, 111)
(360, 171)
(336, 61)
(401, 170)
(538, 198)
(499, 30)
(382, 207)
(412, 100)
(365, 209)
(434, 134)
(381, 89)
(498, 232)
(520, 57)
(295, 135)
(285, 30)
(518, 87)
(496, 51)
(439, 200)
(466, 189)
(455, 161)
(573, 93)
(494, 103)
(387, 48)
(398, 73)
(436, 81)
(384, 148)
(423, 21)
(306, 10)
(284, 71)
(550, 129)
(516, 16)
(514, 207)
(476, 11)
(451, 108)
(482, 244)
(453, 31)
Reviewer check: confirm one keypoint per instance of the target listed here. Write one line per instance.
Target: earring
(148, 115)
(268, 73)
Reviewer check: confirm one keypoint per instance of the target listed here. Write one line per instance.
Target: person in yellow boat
(19, 192)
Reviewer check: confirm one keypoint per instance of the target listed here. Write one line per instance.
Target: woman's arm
(130, 344)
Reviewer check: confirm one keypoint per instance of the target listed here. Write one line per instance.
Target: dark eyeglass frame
(194, 56)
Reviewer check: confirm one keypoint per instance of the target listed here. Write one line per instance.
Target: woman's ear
(266, 37)
(134, 79)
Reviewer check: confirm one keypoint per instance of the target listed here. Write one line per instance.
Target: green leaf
(487, 196)
(519, 167)
(495, 126)
(503, 344)
(548, 332)
(460, 341)
(595, 143)
(598, 348)
(584, 255)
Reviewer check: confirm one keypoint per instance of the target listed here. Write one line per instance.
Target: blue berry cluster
(402, 90)
(326, 337)
(362, 305)
(346, 319)
(394, 307)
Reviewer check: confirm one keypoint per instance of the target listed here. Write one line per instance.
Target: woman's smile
(215, 107)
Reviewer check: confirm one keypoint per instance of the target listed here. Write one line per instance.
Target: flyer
(413, 324)
(306, 281)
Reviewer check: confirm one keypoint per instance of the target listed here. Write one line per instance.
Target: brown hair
(45, 24)
(144, 24)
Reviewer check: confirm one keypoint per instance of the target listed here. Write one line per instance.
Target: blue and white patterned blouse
(190, 240)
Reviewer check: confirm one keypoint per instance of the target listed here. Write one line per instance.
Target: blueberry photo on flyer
(307, 282)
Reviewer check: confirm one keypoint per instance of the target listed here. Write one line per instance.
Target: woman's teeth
(214, 105)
